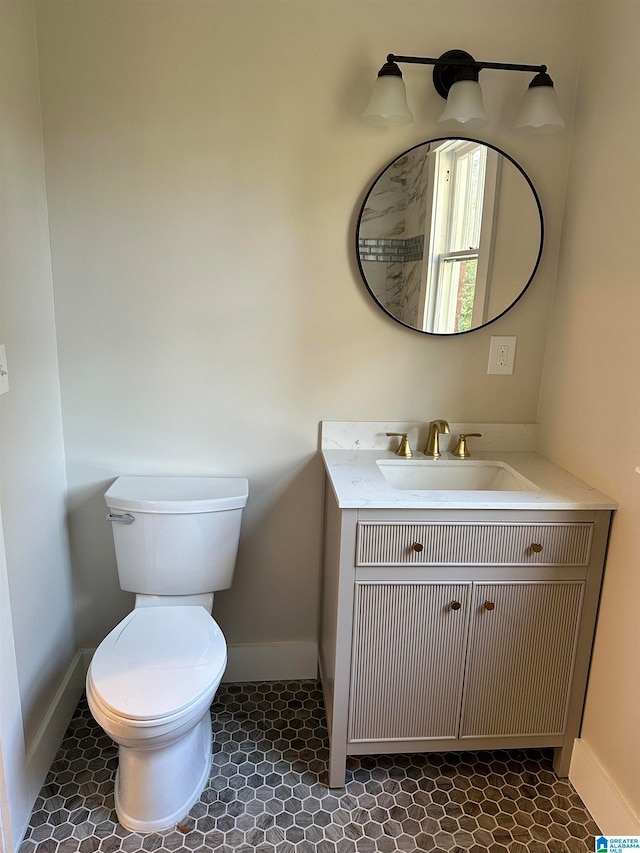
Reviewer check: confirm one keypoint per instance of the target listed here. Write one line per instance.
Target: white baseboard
(261, 662)
(271, 662)
(607, 806)
(48, 738)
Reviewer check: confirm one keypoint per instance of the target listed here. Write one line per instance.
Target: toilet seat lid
(158, 661)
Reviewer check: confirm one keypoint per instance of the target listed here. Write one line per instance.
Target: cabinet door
(522, 641)
(408, 660)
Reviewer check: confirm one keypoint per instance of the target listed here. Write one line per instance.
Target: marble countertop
(358, 482)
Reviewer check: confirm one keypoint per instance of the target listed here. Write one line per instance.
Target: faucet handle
(461, 450)
(403, 447)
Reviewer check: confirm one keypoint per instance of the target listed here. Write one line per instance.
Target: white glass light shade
(539, 112)
(464, 106)
(388, 105)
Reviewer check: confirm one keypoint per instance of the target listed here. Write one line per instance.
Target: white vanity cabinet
(454, 629)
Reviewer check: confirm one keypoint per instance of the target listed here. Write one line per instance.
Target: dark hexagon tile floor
(266, 792)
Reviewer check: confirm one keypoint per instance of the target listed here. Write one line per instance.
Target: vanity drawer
(472, 544)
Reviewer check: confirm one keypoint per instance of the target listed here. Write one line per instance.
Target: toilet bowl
(150, 686)
(151, 681)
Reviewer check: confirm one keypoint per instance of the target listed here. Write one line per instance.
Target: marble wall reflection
(396, 206)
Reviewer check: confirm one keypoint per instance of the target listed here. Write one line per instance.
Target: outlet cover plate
(502, 354)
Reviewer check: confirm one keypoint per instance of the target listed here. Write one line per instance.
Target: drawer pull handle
(455, 605)
(417, 547)
(536, 547)
(489, 605)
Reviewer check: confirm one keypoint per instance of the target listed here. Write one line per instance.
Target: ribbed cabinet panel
(520, 658)
(460, 544)
(408, 660)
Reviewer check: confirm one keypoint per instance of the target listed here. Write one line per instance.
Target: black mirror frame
(535, 266)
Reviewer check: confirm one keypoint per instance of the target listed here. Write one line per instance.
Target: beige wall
(205, 165)
(36, 589)
(33, 486)
(590, 401)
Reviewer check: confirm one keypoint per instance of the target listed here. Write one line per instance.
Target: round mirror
(449, 236)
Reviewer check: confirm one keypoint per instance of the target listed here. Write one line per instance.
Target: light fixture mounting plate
(444, 75)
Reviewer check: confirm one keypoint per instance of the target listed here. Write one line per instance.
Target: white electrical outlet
(502, 353)
(4, 370)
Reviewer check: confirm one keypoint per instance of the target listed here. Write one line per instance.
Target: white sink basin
(453, 475)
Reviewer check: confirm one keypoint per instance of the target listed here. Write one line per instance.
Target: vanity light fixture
(455, 77)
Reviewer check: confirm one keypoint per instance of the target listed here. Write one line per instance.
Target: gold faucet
(461, 450)
(433, 440)
(403, 448)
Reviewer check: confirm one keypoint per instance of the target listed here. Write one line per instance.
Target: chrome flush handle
(121, 519)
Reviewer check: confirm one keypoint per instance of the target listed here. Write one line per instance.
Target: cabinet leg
(337, 767)
(562, 758)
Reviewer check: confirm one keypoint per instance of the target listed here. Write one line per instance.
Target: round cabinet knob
(417, 547)
(536, 547)
(489, 605)
(455, 605)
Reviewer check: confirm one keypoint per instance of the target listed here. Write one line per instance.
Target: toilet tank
(176, 535)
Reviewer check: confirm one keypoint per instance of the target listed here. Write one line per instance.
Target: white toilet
(152, 679)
